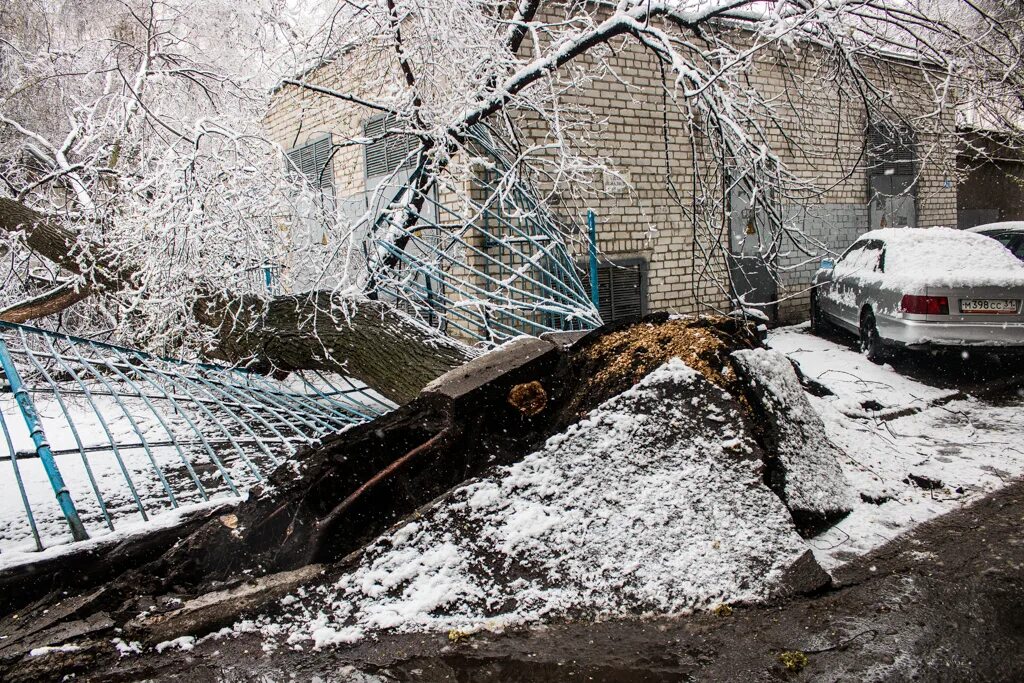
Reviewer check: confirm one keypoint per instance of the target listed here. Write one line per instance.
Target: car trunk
(980, 304)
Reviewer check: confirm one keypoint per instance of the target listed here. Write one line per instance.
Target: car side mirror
(827, 264)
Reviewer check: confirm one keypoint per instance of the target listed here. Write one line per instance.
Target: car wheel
(819, 324)
(870, 342)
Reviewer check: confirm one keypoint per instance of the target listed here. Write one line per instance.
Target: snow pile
(805, 470)
(944, 257)
(652, 504)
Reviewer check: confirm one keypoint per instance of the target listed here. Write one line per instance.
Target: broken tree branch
(49, 303)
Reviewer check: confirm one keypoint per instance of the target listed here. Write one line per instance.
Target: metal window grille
(493, 270)
(387, 153)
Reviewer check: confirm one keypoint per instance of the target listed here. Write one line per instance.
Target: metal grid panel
(499, 271)
(94, 436)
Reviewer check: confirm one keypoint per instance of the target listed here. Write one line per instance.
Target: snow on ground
(862, 388)
(652, 504)
(970, 446)
(16, 541)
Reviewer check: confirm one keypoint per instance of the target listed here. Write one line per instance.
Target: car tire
(819, 324)
(870, 341)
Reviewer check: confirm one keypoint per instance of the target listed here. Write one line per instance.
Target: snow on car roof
(1007, 226)
(943, 256)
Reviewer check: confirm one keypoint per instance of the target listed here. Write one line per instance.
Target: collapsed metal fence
(486, 267)
(96, 437)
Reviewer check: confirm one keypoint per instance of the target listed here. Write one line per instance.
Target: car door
(836, 287)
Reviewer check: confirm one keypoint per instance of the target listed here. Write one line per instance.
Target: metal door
(749, 234)
(892, 202)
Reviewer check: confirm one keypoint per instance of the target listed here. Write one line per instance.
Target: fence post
(592, 234)
(35, 429)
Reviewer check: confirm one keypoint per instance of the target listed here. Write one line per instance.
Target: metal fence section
(496, 267)
(95, 437)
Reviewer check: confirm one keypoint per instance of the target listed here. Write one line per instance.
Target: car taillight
(925, 305)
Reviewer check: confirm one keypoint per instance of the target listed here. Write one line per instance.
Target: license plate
(990, 306)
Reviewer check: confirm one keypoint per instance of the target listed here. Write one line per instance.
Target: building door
(892, 190)
(752, 277)
(893, 204)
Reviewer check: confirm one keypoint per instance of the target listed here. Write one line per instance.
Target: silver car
(1010, 233)
(923, 288)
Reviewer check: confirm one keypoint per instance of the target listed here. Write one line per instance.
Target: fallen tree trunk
(368, 340)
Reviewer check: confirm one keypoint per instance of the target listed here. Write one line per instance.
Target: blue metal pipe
(595, 296)
(35, 429)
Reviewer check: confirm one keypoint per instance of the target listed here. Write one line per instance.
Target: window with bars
(387, 154)
(622, 289)
(315, 162)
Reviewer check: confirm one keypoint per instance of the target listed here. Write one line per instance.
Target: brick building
(652, 258)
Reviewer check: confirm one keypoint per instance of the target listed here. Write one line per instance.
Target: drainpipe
(592, 234)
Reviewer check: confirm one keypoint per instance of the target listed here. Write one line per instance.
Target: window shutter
(621, 290)
(386, 155)
(313, 160)
(604, 293)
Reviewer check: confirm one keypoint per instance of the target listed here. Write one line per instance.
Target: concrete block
(488, 367)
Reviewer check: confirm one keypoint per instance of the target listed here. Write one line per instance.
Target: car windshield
(863, 257)
(1017, 247)
(1012, 240)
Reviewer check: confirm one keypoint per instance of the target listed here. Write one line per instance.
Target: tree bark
(49, 303)
(367, 340)
(64, 247)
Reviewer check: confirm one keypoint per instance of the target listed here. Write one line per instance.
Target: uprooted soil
(618, 359)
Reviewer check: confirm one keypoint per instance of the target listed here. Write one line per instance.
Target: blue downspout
(35, 429)
(592, 234)
(268, 279)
